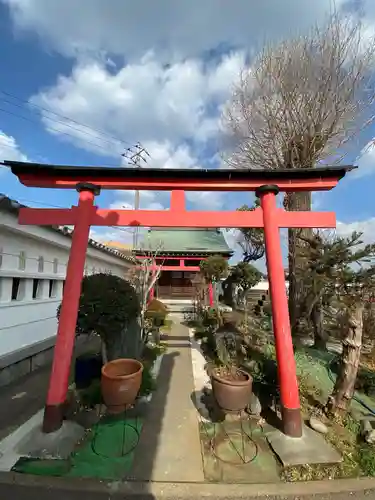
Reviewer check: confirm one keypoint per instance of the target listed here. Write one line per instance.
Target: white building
(33, 262)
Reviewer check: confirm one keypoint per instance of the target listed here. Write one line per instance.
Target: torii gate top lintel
(67, 177)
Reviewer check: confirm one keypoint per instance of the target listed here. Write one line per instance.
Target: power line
(101, 132)
(56, 130)
(135, 154)
(54, 120)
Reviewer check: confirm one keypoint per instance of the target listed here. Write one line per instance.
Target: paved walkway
(169, 447)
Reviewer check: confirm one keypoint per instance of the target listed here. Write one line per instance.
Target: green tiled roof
(193, 241)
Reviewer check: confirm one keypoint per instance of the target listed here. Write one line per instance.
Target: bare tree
(144, 277)
(301, 102)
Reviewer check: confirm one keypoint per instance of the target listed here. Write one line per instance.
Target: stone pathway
(169, 448)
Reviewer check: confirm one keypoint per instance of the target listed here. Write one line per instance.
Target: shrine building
(179, 253)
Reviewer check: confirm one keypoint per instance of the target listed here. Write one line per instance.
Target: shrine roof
(185, 242)
(92, 173)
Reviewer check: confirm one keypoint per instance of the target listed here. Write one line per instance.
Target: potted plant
(155, 315)
(157, 312)
(109, 306)
(231, 385)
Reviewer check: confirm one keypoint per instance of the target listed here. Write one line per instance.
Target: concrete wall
(23, 361)
(36, 258)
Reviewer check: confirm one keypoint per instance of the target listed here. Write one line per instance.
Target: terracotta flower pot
(121, 381)
(231, 391)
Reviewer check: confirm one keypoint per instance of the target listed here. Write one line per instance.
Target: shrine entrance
(88, 181)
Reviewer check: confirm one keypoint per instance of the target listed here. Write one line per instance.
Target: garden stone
(370, 437)
(87, 418)
(254, 408)
(367, 431)
(318, 426)
(366, 427)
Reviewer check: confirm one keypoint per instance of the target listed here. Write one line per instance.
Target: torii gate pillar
(286, 366)
(66, 332)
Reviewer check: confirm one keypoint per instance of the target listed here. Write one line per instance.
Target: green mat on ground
(107, 453)
(40, 467)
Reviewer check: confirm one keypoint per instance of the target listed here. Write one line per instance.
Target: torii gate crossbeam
(88, 181)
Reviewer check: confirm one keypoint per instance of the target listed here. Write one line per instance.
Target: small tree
(340, 278)
(355, 283)
(246, 275)
(144, 276)
(214, 268)
(109, 306)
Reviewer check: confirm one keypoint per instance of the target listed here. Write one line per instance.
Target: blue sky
(114, 73)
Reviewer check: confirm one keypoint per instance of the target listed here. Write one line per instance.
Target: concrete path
(169, 447)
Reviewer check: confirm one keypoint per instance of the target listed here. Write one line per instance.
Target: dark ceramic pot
(86, 369)
(232, 395)
(120, 383)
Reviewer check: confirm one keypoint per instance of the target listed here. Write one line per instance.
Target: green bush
(157, 312)
(210, 318)
(366, 459)
(108, 306)
(214, 268)
(366, 381)
(148, 384)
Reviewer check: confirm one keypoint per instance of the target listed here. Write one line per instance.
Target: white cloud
(111, 234)
(365, 161)
(147, 200)
(166, 155)
(367, 227)
(172, 29)
(203, 200)
(9, 149)
(161, 106)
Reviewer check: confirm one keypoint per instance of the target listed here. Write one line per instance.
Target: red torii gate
(88, 181)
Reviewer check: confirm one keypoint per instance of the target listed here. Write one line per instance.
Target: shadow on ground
(146, 451)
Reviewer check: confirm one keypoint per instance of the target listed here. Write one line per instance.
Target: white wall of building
(33, 259)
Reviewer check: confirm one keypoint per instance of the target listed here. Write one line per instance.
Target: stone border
(55, 485)
(200, 376)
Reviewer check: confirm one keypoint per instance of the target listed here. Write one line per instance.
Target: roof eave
(21, 168)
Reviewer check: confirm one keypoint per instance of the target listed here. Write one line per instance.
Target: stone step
(176, 305)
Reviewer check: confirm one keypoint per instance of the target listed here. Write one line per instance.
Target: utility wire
(101, 132)
(54, 120)
(57, 130)
(134, 153)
